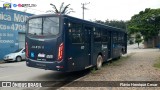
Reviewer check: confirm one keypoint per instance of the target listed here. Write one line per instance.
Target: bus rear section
(44, 43)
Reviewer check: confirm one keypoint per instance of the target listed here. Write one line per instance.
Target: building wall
(12, 24)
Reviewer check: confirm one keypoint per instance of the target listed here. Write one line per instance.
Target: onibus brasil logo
(7, 5)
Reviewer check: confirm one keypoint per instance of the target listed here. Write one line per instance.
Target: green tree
(115, 23)
(138, 39)
(146, 22)
(63, 9)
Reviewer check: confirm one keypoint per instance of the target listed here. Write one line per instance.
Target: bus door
(109, 45)
(88, 45)
(104, 39)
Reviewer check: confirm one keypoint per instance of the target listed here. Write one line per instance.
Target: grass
(115, 62)
(157, 64)
(93, 70)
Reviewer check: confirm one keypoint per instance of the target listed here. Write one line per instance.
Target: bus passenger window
(76, 38)
(115, 38)
(75, 33)
(120, 38)
(97, 36)
(104, 36)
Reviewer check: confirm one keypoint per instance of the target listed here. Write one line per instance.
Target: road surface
(18, 71)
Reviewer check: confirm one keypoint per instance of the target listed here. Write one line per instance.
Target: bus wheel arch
(122, 50)
(99, 61)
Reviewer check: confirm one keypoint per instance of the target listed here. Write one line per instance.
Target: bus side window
(97, 35)
(120, 36)
(75, 33)
(115, 38)
(104, 36)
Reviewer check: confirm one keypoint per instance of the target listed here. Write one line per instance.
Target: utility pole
(84, 8)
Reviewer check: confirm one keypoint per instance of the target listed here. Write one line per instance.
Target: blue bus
(64, 43)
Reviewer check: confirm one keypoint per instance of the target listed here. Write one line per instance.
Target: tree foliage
(63, 9)
(138, 38)
(115, 23)
(146, 22)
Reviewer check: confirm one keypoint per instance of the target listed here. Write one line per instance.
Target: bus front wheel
(99, 62)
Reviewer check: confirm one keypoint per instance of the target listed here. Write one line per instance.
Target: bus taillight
(60, 51)
(26, 49)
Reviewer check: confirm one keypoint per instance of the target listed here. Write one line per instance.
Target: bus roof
(80, 20)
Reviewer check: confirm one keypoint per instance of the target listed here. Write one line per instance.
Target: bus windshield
(43, 26)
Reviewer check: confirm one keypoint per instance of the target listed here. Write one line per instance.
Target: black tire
(99, 62)
(18, 59)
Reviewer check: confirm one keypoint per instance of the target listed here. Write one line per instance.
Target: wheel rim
(18, 59)
(99, 62)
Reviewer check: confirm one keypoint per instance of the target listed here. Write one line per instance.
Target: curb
(65, 86)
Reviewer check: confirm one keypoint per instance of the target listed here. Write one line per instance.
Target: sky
(97, 9)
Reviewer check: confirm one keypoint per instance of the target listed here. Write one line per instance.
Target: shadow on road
(5, 62)
(56, 80)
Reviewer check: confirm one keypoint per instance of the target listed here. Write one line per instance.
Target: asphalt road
(18, 71)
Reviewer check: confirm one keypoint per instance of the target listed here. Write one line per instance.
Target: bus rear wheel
(99, 62)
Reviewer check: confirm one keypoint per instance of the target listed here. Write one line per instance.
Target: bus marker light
(26, 49)
(60, 52)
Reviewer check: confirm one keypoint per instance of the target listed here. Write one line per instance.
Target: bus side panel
(77, 47)
(115, 45)
(96, 50)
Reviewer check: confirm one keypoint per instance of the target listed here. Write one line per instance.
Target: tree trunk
(153, 42)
